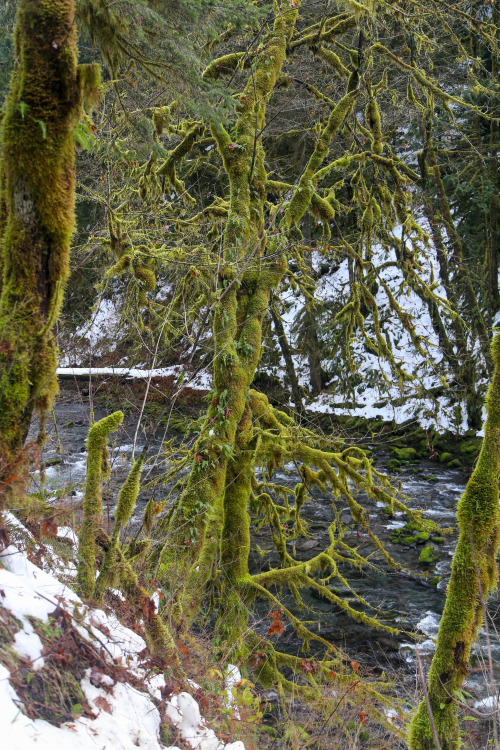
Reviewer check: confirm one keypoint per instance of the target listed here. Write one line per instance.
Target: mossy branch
(92, 501)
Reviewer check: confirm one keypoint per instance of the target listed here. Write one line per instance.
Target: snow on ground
(376, 392)
(125, 717)
(201, 380)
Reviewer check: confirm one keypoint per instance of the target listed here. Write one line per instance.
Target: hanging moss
(89, 80)
(372, 116)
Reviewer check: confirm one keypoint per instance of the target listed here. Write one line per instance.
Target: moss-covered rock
(428, 555)
(445, 457)
(408, 540)
(469, 448)
(412, 526)
(454, 464)
(424, 536)
(404, 454)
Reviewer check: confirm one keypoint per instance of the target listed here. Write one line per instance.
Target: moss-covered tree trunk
(244, 298)
(474, 565)
(41, 111)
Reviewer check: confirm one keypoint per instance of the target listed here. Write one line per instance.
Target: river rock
(306, 544)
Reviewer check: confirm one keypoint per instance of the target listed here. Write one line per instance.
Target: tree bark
(41, 111)
(287, 356)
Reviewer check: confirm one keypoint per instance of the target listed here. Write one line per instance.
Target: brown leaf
(49, 527)
(4, 537)
(355, 666)
(103, 703)
(277, 626)
(362, 717)
(308, 667)
(170, 688)
(258, 659)
(149, 609)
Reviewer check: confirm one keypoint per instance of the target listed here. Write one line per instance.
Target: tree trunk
(287, 356)
(41, 111)
(473, 574)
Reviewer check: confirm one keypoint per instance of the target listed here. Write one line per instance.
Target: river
(403, 600)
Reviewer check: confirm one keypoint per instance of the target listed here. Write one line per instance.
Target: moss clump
(127, 498)
(428, 555)
(408, 540)
(454, 464)
(404, 454)
(424, 536)
(89, 79)
(445, 457)
(469, 448)
(393, 464)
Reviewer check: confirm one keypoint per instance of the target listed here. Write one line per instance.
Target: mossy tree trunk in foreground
(41, 112)
(474, 573)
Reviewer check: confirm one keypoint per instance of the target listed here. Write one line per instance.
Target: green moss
(128, 494)
(404, 454)
(89, 80)
(474, 565)
(424, 536)
(428, 555)
(41, 111)
(445, 457)
(469, 448)
(454, 464)
(92, 501)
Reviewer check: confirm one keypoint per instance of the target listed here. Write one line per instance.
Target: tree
(474, 574)
(37, 202)
(43, 109)
(208, 526)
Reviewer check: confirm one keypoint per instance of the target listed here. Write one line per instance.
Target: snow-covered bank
(123, 708)
(201, 380)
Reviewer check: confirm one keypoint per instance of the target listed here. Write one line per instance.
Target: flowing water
(403, 600)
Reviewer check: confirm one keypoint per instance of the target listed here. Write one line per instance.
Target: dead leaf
(49, 527)
(277, 626)
(103, 703)
(4, 537)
